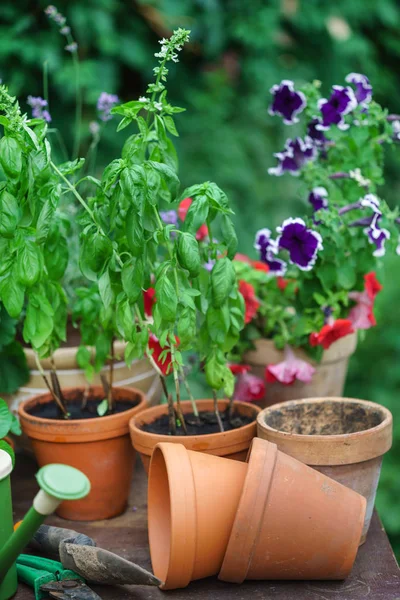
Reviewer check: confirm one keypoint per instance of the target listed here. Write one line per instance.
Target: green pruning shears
(49, 579)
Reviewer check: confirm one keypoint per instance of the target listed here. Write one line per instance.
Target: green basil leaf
(187, 327)
(170, 125)
(167, 301)
(12, 294)
(197, 214)
(217, 324)
(105, 289)
(9, 214)
(222, 281)
(131, 178)
(134, 232)
(10, 156)
(125, 321)
(44, 221)
(133, 278)
(5, 418)
(229, 234)
(188, 253)
(169, 176)
(38, 323)
(95, 254)
(29, 264)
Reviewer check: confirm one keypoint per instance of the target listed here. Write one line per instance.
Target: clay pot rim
(335, 449)
(161, 408)
(46, 397)
(339, 437)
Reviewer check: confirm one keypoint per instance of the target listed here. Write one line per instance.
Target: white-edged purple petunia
(315, 134)
(377, 235)
(318, 198)
(363, 87)
(341, 102)
(287, 102)
(268, 249)
(371, 201)
(301, 243)
(297, 152)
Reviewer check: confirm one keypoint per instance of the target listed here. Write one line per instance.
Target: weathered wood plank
(375, 575)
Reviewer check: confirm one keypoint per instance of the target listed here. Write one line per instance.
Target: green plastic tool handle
(35, 578)
(41, 564)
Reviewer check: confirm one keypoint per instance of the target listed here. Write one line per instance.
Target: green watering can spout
(57, 483)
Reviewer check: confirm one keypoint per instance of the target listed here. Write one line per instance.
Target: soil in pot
(205, 424)
(343, 438)
(232, 443)
(99, 446)
(79, 408)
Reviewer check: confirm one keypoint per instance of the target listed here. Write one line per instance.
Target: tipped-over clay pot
(192, 502)
(292, 522)
(344, 438)
(273, 518)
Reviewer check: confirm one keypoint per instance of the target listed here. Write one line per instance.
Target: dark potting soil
(50, 410)
(328, 418)
(208, 424)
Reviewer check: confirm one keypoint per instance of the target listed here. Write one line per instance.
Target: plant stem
(60, 141)
(55, 397)
(187, 387)
(46, 83)
(230, 407)
(76, 194)
(170, 253)
(177, 388)
(216, 412)
(110, 394)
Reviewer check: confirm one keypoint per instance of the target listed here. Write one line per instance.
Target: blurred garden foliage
(238, 50)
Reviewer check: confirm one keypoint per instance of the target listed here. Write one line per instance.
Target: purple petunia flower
(301, 243)
(297, 152)
(377, 235)
(170, 217)
(38, 106)
(287, 102)
(318, 198)
(268, 248)
(363, 87)
(368, 201)
(315, 134)
(341, 102)
(105, 103)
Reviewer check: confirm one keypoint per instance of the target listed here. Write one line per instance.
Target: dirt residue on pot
(323, 418)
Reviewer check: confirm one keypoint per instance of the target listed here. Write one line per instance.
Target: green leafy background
(238, 51)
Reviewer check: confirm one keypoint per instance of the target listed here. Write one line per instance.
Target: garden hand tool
(49, 578)
(80, 554)
(57, 483)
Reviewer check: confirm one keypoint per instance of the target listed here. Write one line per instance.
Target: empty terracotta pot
(292, 522)
(99, 447)
(192, 500)
(231, 444)
(343, 438)
(329, 377)
(273, 518)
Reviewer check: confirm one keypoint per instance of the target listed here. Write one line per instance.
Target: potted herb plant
(81, 357)
(62, 424)
(314, 284)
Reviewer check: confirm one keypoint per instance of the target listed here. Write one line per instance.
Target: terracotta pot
(140, 375)
(340, 437)
(100, 447)
(192, 501)
(268, 519)
(231, 444)
(329, 377)
(292, 522)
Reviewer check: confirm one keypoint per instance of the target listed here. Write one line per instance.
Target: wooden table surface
(375, 576)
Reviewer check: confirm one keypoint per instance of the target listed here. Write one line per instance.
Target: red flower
(282, 283)
(259, 266)
(183, 208)
(239, 369)
(331, 333)
(249, 388)
(251, 302)
(149, 299)
(202, 232)
(154, 345)
(372, 285)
